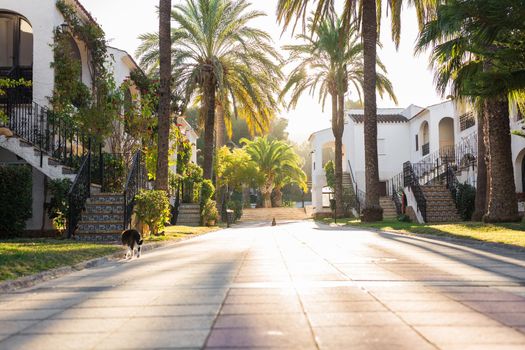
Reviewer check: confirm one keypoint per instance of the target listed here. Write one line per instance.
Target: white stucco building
(407, 134)
(27, 34)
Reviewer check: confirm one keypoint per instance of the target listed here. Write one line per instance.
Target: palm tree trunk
(337, 129)
(209, 127)
(481, 181)
(277, 197)
(372, 211)
(502, 205)
(161, 180)
(220, 141)
(220, 127)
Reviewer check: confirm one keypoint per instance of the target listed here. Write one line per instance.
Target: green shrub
(209, 211)
(153, 208)
(466, 200)
(16, 189)
(207, 191)
(236, 206)
(329, 170)
(58, 207)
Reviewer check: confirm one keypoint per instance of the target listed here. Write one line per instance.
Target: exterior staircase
(38, 159)
(189, 215)
(440, 204)
(102, 219)
(280, 214)
(389, 208)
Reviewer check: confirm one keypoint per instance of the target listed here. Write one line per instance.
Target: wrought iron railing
(110, 170)
(360, 196)
(136, 181)
(78, 194)
(411, 180)
(452, 182)
(49, 132)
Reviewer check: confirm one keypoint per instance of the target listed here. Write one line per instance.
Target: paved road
(297, 285)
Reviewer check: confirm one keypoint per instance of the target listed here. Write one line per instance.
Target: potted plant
(210, 213)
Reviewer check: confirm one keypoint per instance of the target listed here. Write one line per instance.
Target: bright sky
(124, 20)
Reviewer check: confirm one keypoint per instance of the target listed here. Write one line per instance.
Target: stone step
(104, 198)
(105, 208)
(98, 237)
(99, 227)
(102, 217)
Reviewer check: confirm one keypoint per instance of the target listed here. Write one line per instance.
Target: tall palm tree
(327, 63)
(161, 181)
(276, 162)
(365, 11)
(479, 52)
(218, 57)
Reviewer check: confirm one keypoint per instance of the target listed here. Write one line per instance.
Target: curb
(32, 280)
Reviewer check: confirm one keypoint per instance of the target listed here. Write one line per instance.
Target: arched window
(16, 42)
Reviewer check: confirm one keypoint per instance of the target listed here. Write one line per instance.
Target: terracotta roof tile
(381, 118)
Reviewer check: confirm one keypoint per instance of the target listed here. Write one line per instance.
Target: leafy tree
(235, 168)
(277, 163)
(223, 61)
(478, 52)
(327, 63)
(364, 14)
(329, 170)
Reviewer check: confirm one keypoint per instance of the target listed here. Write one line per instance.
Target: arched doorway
(16, 49)
(446, 137)
(424, 138)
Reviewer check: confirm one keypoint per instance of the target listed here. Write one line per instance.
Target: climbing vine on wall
(92, 108)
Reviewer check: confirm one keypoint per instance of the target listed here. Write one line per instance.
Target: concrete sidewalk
(297, 285)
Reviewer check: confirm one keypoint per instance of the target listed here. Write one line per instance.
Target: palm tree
(276, 161)
(221, 60)
(161, 181)
(478, 52)
(327, 63)
(365, 11)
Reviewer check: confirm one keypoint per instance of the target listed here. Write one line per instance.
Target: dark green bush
(236, 206)
(207, 191)
(466, 201)
(58, 207)
(16, 189)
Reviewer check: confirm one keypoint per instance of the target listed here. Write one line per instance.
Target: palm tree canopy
(329, 61)
(291, 12)
(478, 48)
(214, 36)
(277, 161)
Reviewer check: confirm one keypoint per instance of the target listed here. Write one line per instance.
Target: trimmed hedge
(16, 188)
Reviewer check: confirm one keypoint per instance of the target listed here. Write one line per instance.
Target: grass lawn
(177, 232)
(511, 233)
(26, 257)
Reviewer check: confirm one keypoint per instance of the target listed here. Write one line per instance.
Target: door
(382, 189)
(7, 41)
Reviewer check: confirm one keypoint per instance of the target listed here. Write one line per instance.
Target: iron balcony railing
(52, 134)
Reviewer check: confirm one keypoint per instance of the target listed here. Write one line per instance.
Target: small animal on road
(133, 240)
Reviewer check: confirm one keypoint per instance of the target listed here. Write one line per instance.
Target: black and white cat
(133, 240)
